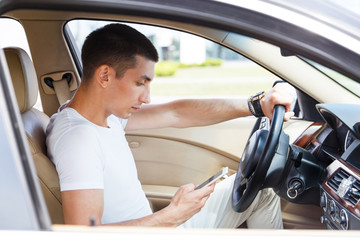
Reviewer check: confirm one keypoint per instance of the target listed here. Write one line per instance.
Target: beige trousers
(264, 212)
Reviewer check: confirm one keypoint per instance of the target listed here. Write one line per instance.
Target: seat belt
(59, 83)
(62, 90)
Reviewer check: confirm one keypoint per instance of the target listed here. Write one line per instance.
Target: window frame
(26, 203)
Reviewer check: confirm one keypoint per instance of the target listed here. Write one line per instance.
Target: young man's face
(130, 91)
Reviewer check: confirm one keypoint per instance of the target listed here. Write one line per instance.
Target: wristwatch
(254, 104)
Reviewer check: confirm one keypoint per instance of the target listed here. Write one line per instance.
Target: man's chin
(124, 116)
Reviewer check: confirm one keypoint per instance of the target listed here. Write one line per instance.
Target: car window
(348, 83)
(191, 66)
(15, 37)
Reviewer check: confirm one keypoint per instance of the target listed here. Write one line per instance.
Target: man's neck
(89, 103)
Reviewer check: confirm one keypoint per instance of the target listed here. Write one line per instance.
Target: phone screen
(213, 178)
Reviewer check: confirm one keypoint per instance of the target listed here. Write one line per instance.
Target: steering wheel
(256, 159)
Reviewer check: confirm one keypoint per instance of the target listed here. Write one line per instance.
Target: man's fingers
(205, 191)
(288, 115)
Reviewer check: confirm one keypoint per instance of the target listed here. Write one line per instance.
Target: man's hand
(81, 205)
(186, 203)
(278, 95)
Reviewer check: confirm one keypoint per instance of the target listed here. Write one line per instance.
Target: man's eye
(140, 84)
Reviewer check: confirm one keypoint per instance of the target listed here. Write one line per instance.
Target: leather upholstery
(49, 181)
(23, 76)
(35, 122)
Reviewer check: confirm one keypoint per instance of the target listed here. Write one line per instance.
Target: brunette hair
(117, 46)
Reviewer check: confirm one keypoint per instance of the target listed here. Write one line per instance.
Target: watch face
(255, 104)
(257, 96)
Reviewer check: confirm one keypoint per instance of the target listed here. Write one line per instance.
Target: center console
(340, 195)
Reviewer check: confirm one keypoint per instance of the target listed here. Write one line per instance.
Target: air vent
(350, 189)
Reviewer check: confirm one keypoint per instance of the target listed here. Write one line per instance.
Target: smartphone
(215, 177)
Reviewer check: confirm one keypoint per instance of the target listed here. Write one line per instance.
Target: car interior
(165, 158)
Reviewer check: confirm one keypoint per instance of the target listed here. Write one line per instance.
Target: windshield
(348, 83)
(350, 5)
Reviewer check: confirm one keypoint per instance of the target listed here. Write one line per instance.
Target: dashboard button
(323, 201)
(332, 210)
(344, 221)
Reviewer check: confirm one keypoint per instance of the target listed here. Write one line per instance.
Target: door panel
(173, 157)
(169, 158)
(171, 162)
(227, 138)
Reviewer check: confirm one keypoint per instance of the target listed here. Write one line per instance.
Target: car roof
(328, 14)
(314, 29)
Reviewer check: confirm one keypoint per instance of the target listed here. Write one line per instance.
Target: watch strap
(255, 106)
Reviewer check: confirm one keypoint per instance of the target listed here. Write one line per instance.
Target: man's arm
(79, 206)
(187, 113)
(203, 112)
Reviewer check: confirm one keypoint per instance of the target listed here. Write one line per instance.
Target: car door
(22, 206)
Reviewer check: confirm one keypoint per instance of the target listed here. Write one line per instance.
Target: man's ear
(103, 73)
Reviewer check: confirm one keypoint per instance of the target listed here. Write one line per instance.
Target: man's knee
(268, 197)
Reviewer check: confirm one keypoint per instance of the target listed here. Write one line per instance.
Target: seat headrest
(23, 76)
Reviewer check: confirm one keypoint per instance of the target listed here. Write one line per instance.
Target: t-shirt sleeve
(78, 160)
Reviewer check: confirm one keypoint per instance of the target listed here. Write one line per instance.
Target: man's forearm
(208, 111)
(188, 113)
(185, 203)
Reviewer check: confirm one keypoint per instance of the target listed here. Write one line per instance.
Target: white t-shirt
(88, 156)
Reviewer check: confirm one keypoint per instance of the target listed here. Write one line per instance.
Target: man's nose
(145, 97)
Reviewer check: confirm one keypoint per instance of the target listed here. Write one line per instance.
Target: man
(86, 141)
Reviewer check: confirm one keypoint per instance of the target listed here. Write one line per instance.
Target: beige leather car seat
(26, 89)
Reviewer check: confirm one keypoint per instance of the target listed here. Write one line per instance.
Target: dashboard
(335, 144)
